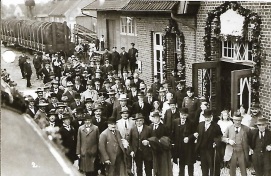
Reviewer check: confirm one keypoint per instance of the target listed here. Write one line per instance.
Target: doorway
(111, 33)
(229, 84)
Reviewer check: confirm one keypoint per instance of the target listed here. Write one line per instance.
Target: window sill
(243, 62)
(128, 34)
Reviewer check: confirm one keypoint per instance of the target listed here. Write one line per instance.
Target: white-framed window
(178, 43)
(127, 26)
(158, 55)
(237, 50)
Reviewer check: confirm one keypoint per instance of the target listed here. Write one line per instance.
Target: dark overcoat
(87, 147)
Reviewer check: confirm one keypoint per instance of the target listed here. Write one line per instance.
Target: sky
(8, 2)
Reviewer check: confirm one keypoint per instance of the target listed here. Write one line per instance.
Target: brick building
(226, 61)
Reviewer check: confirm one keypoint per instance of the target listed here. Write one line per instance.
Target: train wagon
(49, 37)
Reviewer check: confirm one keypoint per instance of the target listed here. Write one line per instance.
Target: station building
(222, 48)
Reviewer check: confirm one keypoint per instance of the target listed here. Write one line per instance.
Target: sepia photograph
(135, 88)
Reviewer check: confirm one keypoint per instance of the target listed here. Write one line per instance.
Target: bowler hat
(156, 114)
(184, 110)
(89, 100)
(111, 120)
(88, 117)
(140, 94)
(133, 44)
(79, 110)
(102, 94)
(111, 92)
(207, 113)
(53, 95)
(261, 121)
(172, 101)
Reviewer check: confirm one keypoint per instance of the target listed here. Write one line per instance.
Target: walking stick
(133, 166)
(214, 162)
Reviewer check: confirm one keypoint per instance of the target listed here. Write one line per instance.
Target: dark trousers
(122, 66)
(132, 67)
(207, 163)
(22, 70)
(38, 73)
(238, 157)
(261, 163)
(139, 159)
(102, 45)
(28, 78)
(116, 68)
(114, 170)
(182, 169)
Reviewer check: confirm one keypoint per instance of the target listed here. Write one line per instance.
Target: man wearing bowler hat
(87, 146)
(68, 133)
(140, 151)
(171, 114)
(28, 72)
(237, 149)
(183, 142)
(52, 118)
(112, 150)
(133, 54)
(261, 146)
(208, 138)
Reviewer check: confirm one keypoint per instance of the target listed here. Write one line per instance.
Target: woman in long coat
(87, 146)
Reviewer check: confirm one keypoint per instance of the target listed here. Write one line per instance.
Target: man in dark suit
(183, 142)
(70, 93)
(22, 60)
(37, 62)
(45, 71)
(52, 118)
(132, 95)
(124, 60)
(141, 107)
(87, 146)
(155, 86)
(133, 53)
(112, 150)
(180, 93)
(27, 72)
(55, 89)
(106, 107)
(106, 68)
(98, 119)
(136, 80)
(208, 137)
(261, 146)
(53, 103)
(140, 151)
(77, 103)
(78, 87)
(171, 114)
(67, 133)
(115, 59)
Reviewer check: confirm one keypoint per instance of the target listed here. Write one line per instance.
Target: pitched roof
(62, 7)
(150, 5)
(106, 5)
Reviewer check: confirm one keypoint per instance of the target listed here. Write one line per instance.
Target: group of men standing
(113, 124)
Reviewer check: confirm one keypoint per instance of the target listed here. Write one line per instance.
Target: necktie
(173, 112)
(236, 130)
(182, 122)
(113, 131)
(125, 124)
(149, 100)
(155, 126)
(98, 120)
(261, 136)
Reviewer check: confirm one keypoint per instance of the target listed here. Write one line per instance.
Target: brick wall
(263, 9)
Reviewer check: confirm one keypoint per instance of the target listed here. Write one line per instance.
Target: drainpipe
(189, 26)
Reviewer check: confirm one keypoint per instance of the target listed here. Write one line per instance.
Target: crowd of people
(114, 123)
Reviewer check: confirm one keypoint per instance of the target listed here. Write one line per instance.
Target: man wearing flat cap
(87, 146)
(183, 142)
(133, 53)
(261, 146)
(115, 59)
(140, 151)
(237, 149)
(124, 60)
(208, 138)
(112, 150)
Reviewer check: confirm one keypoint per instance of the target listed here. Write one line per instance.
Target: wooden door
(111, 33)
(207, 74)
(241, 89)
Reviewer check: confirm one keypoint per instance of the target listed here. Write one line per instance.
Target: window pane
(225, 52)
(158, 55)
(225, 44)
(157, 39)
(229, 53)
